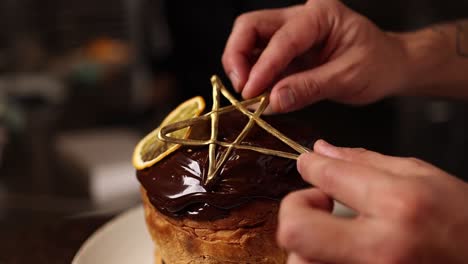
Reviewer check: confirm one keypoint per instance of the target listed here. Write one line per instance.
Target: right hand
(319, 50)
(408, 211)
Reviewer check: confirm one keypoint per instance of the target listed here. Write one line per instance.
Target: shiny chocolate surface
(174, 185)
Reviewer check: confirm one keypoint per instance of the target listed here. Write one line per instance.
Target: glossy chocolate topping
(174, 186)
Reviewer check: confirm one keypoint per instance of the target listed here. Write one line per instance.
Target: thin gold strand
(214, 132)
(254, 118)
(243, 134)
(296, 146)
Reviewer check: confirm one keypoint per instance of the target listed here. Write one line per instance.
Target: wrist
(427, 52)
(434, 63)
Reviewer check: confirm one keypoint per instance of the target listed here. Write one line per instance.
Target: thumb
(304, 88)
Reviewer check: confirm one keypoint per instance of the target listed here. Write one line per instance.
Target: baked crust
(246, 236)
(157, 257)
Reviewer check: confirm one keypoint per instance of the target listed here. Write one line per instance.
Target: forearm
(437, 61)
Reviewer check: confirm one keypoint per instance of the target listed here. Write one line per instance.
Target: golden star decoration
(254, 118)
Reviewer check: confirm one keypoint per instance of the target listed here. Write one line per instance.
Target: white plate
(123, 240)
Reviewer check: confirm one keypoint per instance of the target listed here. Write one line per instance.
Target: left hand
(315, 51)
(408, 210)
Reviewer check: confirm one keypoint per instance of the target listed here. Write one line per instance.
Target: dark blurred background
(82, 81)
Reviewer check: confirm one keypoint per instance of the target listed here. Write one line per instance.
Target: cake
(234, 219)
(211, 185)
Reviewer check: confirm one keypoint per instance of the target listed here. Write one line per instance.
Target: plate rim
(90, 241)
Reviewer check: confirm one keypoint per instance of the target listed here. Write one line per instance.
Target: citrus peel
(151, 149)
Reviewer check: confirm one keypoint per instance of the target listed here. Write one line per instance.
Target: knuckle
(353, 84)
(310, 88)
(324, 3)
(357, 153)
(412, 204)
(351, 72)
(290, 42)
(226, 59)
(271, 66)
(288, 202)
(289, 233)
(362, 152)
(291, 198)
(416, 162)
(417, 165)
(356, 30)
(408, 208)
(249, 19)
(243, 19)
(327, 177)
(329, 8)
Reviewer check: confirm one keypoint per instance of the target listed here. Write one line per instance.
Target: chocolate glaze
(174, 186)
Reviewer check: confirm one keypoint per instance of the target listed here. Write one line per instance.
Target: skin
(408, 211)
(323, 50)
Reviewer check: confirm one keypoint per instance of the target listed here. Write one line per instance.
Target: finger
(304, 88)
(393, 165)
(247, 31)
(309, 232)
(300, 33)
(354, 185)
(268, 110)
(314, 197)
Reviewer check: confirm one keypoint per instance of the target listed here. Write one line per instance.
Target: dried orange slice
(150, 149)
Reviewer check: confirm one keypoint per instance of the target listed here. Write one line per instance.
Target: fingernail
(301, 160)
(269, 110)
(327, 149)
(234, 77)
(286, 98)
(246, 89)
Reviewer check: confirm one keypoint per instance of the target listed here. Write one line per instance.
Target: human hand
(319, 50)
(408, 210)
